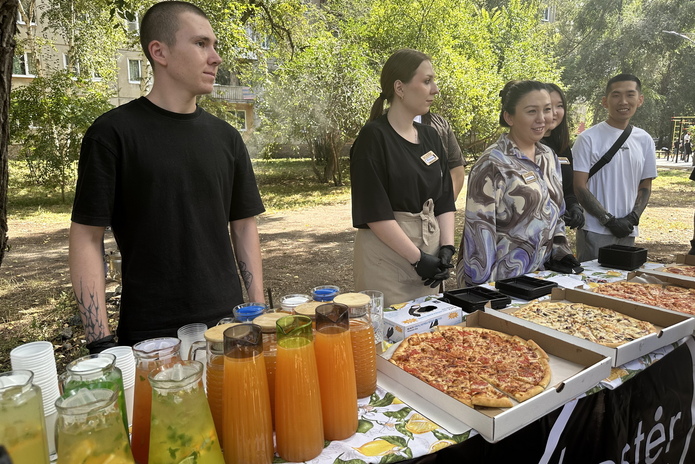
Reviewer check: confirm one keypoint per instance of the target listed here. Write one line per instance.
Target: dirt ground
(301, 249)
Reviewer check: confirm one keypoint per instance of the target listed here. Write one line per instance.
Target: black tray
(472, 299)
(524, 287)
(622, 257)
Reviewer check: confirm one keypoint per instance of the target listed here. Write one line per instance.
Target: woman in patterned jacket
(514, 206)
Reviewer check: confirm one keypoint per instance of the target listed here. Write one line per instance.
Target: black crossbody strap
(605, 159)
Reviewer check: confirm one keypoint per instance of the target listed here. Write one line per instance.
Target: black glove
(620, 227)
(574, 216)
(567, 265)
(446, 253)
(633, 218)
(97, 346)
(429, 268)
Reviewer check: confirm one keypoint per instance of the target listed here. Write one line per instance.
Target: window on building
(224, 77)
(239, 119)
(548, 14)
(134, 70)
(66, 63)
(134, 25)
(23, 65)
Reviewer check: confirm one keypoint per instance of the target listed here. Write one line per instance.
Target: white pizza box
(664, 276)
(672, 326)
(685, 259)
(575, 370)
(419, 317)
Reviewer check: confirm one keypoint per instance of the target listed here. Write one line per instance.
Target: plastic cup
(188, 334)
(376, 308)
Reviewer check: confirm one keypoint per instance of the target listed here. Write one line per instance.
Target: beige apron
(378, 267)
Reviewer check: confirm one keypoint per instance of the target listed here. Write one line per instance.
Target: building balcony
(233, 93)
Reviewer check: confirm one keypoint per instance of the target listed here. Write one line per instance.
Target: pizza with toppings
(688, 271)
(664, 296)
(477, 366)
(598, 325)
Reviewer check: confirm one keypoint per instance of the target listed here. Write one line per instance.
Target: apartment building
(134, 73)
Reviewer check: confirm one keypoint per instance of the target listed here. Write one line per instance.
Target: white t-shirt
(615, 185)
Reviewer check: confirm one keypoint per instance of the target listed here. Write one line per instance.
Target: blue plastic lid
(249, 313)
(324, 294)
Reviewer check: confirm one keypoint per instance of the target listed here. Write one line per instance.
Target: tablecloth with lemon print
(391, 431)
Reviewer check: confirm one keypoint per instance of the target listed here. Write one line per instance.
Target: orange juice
(214, 378)
(337, 382)
(270, 365)
(248, 426)
(142, 396)
(364, 354)
(298, 419)
(149, 355)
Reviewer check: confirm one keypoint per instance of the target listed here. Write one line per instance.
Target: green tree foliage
(601, 38)
(323, 91)
(50, 117)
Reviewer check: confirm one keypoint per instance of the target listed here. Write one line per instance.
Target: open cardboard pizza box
(672, 326)
(681, 260)
(574, 371)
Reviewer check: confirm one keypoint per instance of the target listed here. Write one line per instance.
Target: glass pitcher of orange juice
(182, 429)
(90, 429)
(298, 418)
(362, 339)
(268, 323)
(22, 427)
(336, 371)
(248, 426)
(149, 354)
(214, 372)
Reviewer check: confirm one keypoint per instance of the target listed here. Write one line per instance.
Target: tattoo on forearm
(89, 310)
(246, 275)
(643, 195)
(590, 203)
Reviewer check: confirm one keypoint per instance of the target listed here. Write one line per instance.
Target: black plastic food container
(622, 257)
(525, 288)
(472, 299)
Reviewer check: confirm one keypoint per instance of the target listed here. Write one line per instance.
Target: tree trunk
(8, 28)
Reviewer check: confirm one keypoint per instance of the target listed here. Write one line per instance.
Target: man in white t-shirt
(615, 197)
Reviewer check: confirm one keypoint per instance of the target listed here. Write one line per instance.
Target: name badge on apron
(429, 158)
(529, 177)
(563, 160)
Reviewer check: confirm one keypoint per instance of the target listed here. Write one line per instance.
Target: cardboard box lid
(672, 326)
(575, 370)
(685, 259)
(407, 315)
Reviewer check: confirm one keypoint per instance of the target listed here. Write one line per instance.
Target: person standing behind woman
(402, 197)
(514, 206)
(557, 137)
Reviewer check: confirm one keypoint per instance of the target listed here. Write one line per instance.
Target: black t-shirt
(168, 184)
(567, 173)
(389, 174)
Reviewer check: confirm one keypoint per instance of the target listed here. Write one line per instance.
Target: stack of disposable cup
(189, 334)
(39, 358)
(125, 361)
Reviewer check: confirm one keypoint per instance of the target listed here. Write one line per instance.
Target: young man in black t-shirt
(176, 186)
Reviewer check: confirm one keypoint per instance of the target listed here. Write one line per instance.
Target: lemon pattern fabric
(388, 431)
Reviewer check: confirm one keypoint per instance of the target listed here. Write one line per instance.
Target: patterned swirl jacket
(514, 209)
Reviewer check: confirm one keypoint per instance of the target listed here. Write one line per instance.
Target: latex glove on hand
(429, 268)
(620, 227)
(567, 265)
(446, 253)
(632, 218)
(97, 346)
(574, 216)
